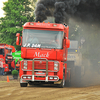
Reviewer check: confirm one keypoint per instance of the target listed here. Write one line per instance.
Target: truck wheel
(23, 84)
(63, 82)
(77, 76)
(30, 83)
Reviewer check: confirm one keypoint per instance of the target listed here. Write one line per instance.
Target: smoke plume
(85, 15)
(62, 10)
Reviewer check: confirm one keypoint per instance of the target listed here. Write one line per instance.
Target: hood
(38, 53)
(31, 53)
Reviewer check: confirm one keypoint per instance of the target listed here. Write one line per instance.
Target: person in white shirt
(1, 67)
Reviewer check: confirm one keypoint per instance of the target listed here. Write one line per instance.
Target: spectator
(13, 65)
(18, 65)
(1, 67)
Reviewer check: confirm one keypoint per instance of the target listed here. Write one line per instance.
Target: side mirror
(67, 43)
(18, 38)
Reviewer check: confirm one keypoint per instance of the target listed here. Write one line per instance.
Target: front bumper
(35, 72)
(27, 78)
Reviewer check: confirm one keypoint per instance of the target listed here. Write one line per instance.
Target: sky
(1, 6)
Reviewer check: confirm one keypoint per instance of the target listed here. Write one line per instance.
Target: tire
(78, 76)
(30, 83)
(23, 84)
(62, 85)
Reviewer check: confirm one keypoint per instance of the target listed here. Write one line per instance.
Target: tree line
(17, 12)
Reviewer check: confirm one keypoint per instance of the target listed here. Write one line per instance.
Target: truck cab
(44, 49)
(6, 56)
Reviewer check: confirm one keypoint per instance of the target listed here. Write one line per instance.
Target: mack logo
(38, 54)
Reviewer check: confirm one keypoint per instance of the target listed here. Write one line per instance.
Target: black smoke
(85, 14)
(62, 10)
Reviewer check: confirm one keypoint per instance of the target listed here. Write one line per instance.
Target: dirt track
(12, 91)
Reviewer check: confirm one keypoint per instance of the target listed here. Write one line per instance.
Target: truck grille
(39, 65)
(42, 65)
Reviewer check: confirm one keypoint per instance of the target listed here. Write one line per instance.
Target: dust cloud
(83, 18)
(90, 49)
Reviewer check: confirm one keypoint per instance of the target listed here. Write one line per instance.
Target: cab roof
(38, 25)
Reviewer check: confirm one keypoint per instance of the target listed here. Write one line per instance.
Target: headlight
(24, 77)
(25, 63)
(25, 67)
(55, 66)
(29, 77)
(51, 78)
(55, 78)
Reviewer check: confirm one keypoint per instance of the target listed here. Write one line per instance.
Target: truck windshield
(42, 38)
(1, 51)
(9, 51)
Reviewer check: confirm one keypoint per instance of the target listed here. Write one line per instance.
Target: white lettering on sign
(32, 45)
(28, 45)
(38, 54)
(36, 45)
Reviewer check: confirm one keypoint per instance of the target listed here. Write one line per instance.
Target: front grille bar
(46, 70)
(34, 70)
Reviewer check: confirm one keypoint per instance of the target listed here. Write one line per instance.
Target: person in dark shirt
(13, 65)
(18, 65)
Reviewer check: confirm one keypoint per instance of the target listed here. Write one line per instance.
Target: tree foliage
(17, 12)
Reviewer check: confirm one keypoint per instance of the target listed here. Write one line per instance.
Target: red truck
(6, 56)
(44, 48)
